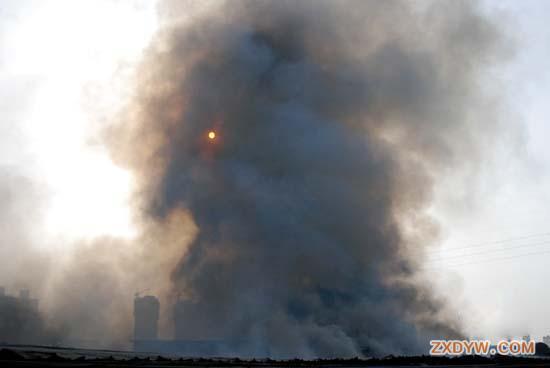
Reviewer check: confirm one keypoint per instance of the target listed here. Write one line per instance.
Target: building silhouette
(192, 323)
(195, 335)
(146, 317)
(20, 320)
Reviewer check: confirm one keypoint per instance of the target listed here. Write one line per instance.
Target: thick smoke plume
(298, 229)
(333, 121)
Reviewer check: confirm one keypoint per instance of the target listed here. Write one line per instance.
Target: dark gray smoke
(333, 121)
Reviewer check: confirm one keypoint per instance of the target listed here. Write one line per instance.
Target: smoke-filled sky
(358, 145)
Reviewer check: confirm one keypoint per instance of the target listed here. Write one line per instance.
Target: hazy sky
(504, 282)
(63, 67)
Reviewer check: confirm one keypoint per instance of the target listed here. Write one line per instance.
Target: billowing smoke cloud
(82, 294)
(297, 230)
(88, 297)
(333, 121)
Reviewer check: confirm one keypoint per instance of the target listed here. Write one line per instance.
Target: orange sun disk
(211, 134)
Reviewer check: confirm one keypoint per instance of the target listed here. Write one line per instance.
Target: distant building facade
(193, 324)
(194, 335)
(146, 317)
(20, 320)
(25, 298)
(546, 340)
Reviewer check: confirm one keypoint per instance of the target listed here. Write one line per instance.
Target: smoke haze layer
(333, 121)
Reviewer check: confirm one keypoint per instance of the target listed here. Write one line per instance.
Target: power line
(489, 251)
(497, 242)
(489, 260)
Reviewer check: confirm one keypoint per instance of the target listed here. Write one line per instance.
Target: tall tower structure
(146, 317)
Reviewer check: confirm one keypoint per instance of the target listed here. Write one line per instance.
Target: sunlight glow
(83, 54)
